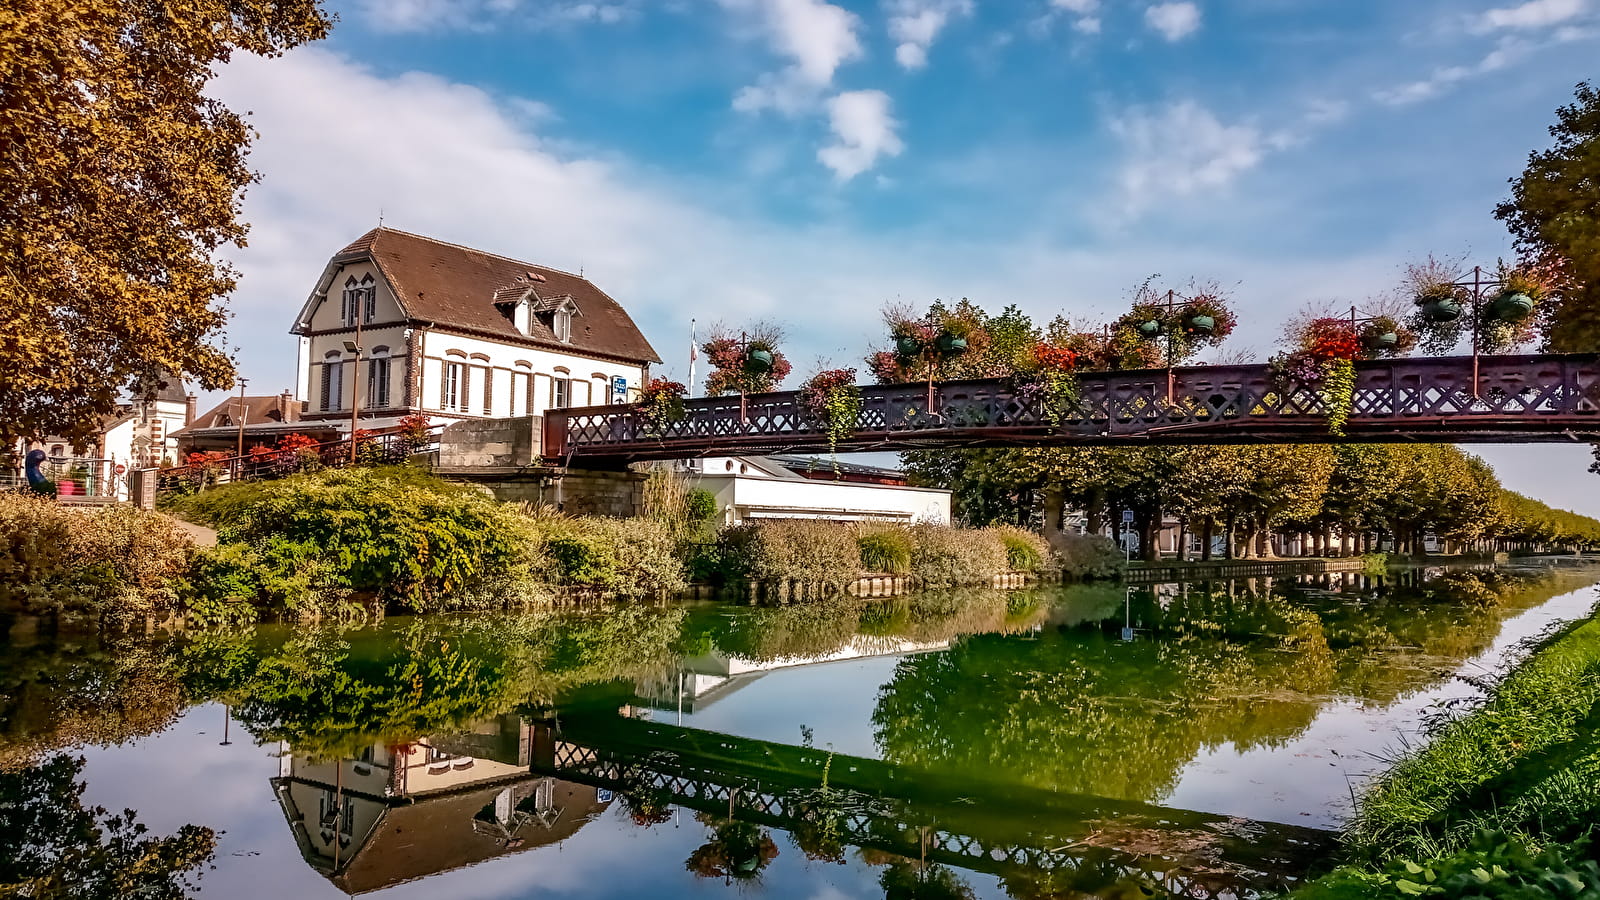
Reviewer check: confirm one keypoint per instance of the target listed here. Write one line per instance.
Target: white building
(749, 487)
(140, 434)
(457, 333)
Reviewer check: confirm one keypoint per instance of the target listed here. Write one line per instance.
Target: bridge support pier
(505, 457)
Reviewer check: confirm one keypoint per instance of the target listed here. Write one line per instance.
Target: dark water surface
(1196, 740)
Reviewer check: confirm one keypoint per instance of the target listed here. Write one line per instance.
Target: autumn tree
(122, 182)
(1554, 213)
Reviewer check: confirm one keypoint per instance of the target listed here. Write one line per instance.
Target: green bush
(624, 557)
(392, 535)
(808, 551)
(943, 556)
(1492, 866)
(1025, 551)
(1088, 556)
(116, 563)
(701, 505)
(885, 548)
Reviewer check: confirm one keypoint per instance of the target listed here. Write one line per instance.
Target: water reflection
(398, 812)
(1000, 744)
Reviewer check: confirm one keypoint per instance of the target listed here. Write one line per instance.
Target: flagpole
(692, 353)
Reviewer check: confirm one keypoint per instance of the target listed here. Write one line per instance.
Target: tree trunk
(1207, 527)
(1095, 515)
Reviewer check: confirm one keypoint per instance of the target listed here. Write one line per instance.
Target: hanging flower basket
(1511, 306)
(1150, 328)
(1380, 341)
(1200, 324)
(1440, 309)
(661, 405)
(758, 361)
(952, 345)
(907, 346)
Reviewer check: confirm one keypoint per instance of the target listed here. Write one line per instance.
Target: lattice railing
(1495, 398)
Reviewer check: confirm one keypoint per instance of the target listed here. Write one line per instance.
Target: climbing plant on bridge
(832, 399)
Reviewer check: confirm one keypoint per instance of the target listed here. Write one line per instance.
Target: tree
(1554, 213)
(122, 180)
(57, 847)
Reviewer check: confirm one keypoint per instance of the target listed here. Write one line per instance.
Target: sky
(807, 162)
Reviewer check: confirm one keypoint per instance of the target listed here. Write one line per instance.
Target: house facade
(140, 434)
(399, 323)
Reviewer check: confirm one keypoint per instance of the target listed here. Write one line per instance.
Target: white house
(401, 323)
(749, 487)
(141, 433)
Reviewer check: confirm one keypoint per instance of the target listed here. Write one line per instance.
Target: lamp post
(354, 347)
(241, 410)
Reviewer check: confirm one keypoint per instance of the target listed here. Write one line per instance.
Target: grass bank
(1502, 799)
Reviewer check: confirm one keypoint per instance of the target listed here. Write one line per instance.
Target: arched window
(378, 377)
(561, 389)
(360, 299)
(332, 381)
(521, 388)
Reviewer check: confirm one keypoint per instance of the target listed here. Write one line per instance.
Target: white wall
(490, 362)
(742, 498)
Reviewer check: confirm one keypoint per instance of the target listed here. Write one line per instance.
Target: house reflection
(397, 813)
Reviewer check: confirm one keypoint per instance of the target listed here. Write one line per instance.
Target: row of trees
(1266, 499)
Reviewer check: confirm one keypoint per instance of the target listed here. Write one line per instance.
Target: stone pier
(506, 457)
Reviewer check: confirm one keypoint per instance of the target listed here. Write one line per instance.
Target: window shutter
(444, 385)
(488, 391)
(327, 375)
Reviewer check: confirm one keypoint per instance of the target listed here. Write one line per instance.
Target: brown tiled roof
(257, 411)
(457, 286)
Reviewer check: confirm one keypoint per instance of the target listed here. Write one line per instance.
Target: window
(560, 393)
(520, 388)
(360, 299)
(378, 381)
(454, 393)
(562, 325)
(332, 381)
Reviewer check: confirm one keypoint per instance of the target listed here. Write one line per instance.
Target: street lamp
(354, 347)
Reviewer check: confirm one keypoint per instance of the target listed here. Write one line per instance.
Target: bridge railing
(1441, 398)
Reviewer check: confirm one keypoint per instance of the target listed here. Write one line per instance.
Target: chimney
(289, 408)
(189, 405)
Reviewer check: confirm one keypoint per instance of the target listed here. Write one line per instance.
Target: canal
(1188, 740)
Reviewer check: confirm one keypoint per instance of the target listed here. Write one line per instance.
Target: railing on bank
(1457, 399)
(89, 480)
(371, 449)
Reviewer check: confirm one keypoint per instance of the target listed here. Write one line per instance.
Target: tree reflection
(736, 851)
(55, 846)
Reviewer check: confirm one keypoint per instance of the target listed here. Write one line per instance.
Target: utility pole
(241, 411)
(355, 388)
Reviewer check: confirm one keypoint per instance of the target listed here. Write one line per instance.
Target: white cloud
(473, 15)
(817, 37)
(1506, 52)
(914, 24)
(1534, 14)
(1181, 150)
(1085, 13)
(1174, 21)
(863, 131)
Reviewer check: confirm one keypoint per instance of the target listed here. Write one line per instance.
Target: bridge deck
(1497, 399)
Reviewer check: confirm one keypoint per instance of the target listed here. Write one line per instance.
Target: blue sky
(807, 161)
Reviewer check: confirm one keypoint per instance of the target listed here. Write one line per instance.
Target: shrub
(1087, 556)
(701, 505)
(393, 534)
(949, 556)
(1493, 866)
(117, 562)
(626, 557)
(885, 548)
(810, 551)
(1025, 551)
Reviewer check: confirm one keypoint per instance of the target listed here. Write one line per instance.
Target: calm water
(1183, 740)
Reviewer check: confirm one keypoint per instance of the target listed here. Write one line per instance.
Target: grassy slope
(1526, 762)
